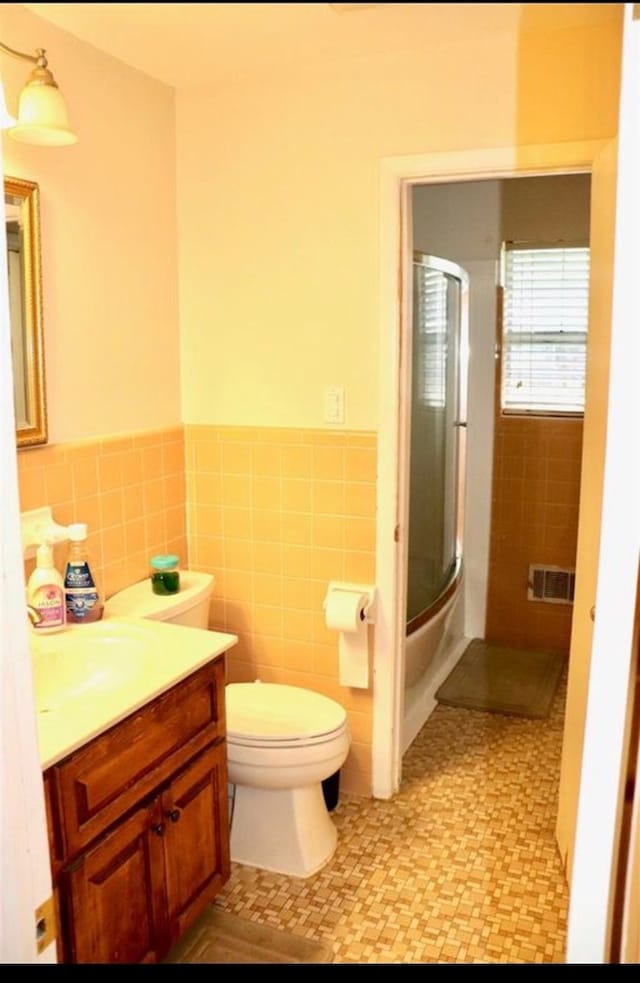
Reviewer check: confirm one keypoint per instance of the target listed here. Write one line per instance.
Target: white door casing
(398, 174)
(606, 730)
(26, 878)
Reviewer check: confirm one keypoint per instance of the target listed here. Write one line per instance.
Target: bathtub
(432, 649)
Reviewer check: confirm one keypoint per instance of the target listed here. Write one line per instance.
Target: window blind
(544, 334)
(430, 336)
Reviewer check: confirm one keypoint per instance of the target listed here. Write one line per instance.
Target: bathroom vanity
(138, 813)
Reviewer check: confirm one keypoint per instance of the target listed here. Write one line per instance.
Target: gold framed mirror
(22, 218)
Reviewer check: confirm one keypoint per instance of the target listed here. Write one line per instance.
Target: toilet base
(287, 831)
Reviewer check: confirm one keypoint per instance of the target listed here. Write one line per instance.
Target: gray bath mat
(220, 937)
(500, 679)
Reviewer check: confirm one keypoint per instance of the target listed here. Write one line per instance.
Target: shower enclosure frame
(455, 423)
(437, 348)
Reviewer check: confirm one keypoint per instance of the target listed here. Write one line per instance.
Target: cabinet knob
(158, 829)
(173, 815)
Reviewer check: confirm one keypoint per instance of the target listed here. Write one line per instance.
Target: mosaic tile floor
(461, 866)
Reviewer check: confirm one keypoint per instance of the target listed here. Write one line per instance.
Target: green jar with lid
(165, 574)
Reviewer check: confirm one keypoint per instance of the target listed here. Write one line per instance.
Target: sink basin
(89, 677)
(88, 660)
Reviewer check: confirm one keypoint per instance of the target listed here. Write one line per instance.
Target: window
(430, 336)
(544, 328)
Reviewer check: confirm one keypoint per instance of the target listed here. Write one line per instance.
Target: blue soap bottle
(83, 597)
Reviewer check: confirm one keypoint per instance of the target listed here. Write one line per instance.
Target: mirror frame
(28, 193)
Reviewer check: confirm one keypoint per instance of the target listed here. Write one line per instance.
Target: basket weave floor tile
(460, 866)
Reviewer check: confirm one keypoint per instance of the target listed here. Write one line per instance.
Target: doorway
(522, 465)
(399, 176)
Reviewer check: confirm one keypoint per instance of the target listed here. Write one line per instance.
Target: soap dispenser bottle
(83, 597)
(45, 593)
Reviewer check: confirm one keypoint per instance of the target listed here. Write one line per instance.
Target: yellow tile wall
(534, 519)
(130, 490)
(536, 491)
(275, 514)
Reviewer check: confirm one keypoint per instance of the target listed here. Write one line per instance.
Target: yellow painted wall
(109, 248)
(279, 196)
(278, 210)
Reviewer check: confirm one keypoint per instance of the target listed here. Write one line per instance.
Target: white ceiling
(193, 43)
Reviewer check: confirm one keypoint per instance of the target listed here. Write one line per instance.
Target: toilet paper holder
(368, 612)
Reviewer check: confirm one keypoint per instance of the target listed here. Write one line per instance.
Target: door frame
(397, 177)
(26, 876)
(611, 674)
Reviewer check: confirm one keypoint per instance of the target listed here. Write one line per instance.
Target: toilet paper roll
(345, 610)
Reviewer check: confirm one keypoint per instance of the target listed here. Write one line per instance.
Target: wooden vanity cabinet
(141, 816)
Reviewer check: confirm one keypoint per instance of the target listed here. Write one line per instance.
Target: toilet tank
(189, 607)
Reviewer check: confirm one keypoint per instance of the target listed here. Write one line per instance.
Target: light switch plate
(334, 404)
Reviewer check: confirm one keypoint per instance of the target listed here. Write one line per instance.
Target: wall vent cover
(552, 584)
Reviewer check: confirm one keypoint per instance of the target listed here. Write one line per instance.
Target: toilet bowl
(282, 743)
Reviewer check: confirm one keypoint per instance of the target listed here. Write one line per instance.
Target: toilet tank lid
(274, 711)
(139, 601)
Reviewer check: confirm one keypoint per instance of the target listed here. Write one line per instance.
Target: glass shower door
(438, 405)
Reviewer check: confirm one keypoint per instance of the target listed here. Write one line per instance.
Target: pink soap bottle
(45, 593)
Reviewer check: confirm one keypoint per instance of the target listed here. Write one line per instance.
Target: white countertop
(89, 677)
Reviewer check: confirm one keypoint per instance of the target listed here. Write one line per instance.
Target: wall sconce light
(42, 113)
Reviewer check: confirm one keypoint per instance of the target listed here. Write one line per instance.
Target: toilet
(282, 743)
(189, 607)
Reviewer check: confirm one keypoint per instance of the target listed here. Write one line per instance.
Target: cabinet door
(114, 894)
(196, 840)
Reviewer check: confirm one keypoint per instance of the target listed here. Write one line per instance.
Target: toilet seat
(243, 740)
(273, 715)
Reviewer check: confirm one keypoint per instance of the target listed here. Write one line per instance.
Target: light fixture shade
(42, 117)
(6, 119)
